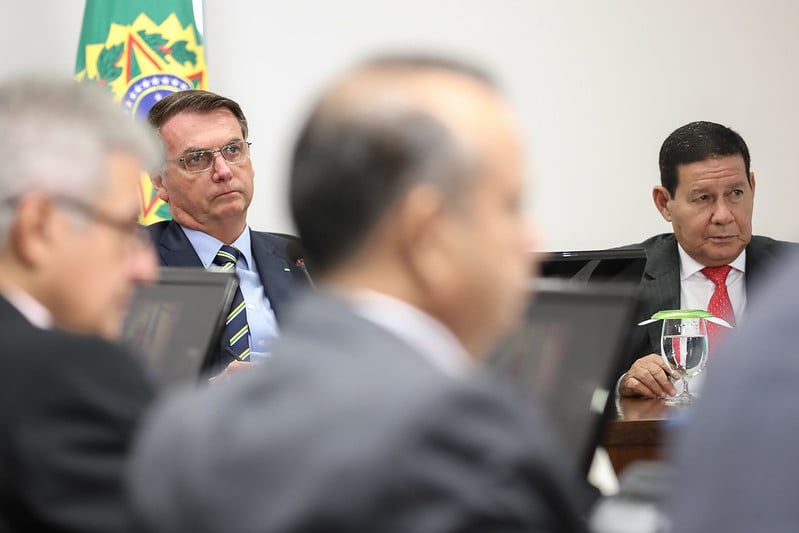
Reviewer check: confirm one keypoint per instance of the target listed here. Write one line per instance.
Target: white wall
(597, 85)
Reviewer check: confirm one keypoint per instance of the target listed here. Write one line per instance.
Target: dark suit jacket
(348, 429)
(272, 257)
(69, 405)
(660, 286)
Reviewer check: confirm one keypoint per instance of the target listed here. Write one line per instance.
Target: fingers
(235, 367)
(648, 377)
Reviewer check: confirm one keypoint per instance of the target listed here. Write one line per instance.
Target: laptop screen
(567, 353)
(617, 265)
(174, 325)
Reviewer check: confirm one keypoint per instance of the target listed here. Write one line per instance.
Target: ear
(661, 198)
(752, 181)
(158, 182)
(421, 236)
(34, 230)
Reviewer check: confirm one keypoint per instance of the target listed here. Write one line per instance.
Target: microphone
(295, 253)
(300, 263)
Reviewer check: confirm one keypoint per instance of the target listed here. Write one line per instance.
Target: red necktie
(719, 303)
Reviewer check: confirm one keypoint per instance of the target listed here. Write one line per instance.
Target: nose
(144, 264)
(221, 168)
(722, 214)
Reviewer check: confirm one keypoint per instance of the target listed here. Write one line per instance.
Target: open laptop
(175, 325)
(567, 353)
(616, 264)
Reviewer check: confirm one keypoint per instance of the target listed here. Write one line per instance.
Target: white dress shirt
(30, 308)
(427, 335)
(696, 289)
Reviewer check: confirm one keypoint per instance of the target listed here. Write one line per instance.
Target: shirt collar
(690, 266)
(29, 307)
(427, 335)
(207, 246)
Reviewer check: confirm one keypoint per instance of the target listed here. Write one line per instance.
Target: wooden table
(637, 432)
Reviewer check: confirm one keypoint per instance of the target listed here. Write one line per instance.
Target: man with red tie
(711, 259)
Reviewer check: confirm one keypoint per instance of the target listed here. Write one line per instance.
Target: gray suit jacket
(737, 467)
(348, 429)
(660, 286)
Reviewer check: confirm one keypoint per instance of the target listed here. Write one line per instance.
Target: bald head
(384, 89)
(384, 127)
(407, 180)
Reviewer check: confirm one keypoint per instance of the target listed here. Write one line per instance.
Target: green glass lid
(677, 314)
(670, 314)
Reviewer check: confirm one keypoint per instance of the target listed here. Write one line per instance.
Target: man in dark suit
(207, 181)
(707, 194)
(70, 250)
(406, 188)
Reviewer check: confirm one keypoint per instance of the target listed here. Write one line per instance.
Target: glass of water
(684, 344)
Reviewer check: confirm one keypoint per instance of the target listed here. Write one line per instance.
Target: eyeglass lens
(204, 159)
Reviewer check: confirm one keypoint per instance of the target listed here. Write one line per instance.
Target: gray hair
(56, 136)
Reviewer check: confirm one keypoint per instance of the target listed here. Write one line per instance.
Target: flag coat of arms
(141, 51)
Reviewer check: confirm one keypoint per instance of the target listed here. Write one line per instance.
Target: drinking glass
(684, 344)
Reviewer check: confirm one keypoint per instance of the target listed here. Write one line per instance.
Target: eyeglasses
(129, 229)
(202, 160)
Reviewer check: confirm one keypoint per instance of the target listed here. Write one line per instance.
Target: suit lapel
(661, 281)
(274, 270)
(176, 249)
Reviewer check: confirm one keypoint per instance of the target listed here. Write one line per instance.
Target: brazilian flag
(141, 51)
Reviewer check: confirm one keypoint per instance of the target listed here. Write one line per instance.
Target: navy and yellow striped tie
(235, 341)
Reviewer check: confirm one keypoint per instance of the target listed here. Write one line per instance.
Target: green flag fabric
(141, 51)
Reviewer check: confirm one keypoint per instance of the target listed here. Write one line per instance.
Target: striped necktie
(234, 339)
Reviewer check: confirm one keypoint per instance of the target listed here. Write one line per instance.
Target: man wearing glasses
(207, 181)
(70, 253)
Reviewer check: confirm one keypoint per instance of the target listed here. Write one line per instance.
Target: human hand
(648, 377)
(235, 367)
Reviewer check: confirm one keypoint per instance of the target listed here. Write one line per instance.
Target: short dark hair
(695, 142)
(348, 170)
(196, 101)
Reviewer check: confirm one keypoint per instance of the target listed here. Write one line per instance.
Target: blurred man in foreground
(70, 251)
(406, 186)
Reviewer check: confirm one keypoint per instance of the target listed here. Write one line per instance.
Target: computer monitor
(616, 265)
(174, 326)
(567, 353)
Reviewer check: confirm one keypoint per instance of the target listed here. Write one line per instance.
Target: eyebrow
(191, 149)
(742, 183)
